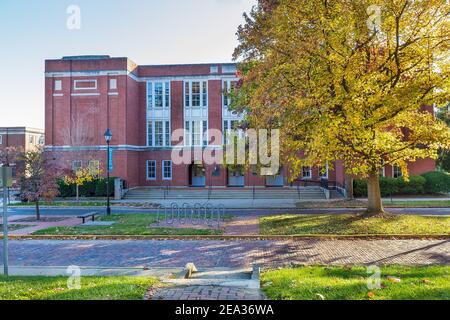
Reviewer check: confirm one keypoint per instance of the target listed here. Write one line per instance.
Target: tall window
(205, 133)
(94, 168)
(196, 133)
(150, 133)
(306, 172)
(158, 133)
(151, 169)
(396, 172)
(77, 165)
(167, 134)
(231, 126)
(159, 136)
(204, 93)
(228, 87)
(196, 94)
(158, 95)
(1, 139)
(323, 171)
(167, 169)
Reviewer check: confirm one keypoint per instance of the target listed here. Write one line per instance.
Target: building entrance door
(276, 180)
(236, 176)
(198, 177)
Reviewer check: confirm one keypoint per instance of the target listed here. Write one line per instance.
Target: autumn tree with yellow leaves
(80, 177)
(348, 80)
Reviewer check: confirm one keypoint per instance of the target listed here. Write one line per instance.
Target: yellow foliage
(340, 90)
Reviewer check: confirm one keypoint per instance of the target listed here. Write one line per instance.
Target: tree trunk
(38, 214)
(349, 186)
(375, 205)
(78, 199)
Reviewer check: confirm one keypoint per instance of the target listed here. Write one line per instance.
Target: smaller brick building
(22, 138)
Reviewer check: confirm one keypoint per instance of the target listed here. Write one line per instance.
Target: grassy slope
(351, 224)
(344, 284)
(126, 224)
(92, 288)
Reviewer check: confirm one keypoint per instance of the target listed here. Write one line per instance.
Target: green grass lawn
(126, 224)
(92, 288)
(352, 224)
(339, 283)
(356, 203)
(417, 204)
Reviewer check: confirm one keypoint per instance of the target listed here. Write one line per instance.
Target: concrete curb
(235, 237)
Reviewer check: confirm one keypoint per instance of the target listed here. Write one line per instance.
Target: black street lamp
(108, 137)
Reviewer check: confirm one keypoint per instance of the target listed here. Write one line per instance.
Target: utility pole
(6, 182)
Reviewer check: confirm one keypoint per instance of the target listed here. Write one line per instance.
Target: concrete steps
(304, 193)
(224, 277)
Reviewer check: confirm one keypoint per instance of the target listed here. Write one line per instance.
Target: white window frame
(76, 82)
(113, 84)
(163, 166)
(226, 89)
(57, 85)
(204, 96)
(147, 171)
(1, 139)
(326, 172)
(393, 171)
(166, 138)
(96, 167)
(190, 135)
(79, 167)
(227, 130)
(310, 173)
(166, 95)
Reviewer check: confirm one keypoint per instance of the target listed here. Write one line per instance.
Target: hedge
(437, 181)
(95, 188)
(430, 182)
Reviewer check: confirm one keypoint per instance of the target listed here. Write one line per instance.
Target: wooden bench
(87, 215)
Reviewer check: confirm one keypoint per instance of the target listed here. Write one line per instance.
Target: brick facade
(21, 138)
(87, 94)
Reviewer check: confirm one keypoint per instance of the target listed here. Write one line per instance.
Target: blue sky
(146, 31)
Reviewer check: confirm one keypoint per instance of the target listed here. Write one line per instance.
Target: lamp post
(108, 137)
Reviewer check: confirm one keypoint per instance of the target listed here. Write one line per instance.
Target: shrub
(392, 186)
(359, 188)
(389, 186)
(66, 190)
(94, 188)
(415, 185)
(100, 189)
(88, 188)
(437, 182)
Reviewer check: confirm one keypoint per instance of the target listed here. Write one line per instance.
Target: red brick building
(144, 105)
(20, 138)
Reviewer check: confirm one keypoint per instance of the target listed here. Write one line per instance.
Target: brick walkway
(35, 226)
(176, 253)
(205, 293)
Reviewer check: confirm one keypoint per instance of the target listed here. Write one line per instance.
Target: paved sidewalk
(205, 254)
(63, 221)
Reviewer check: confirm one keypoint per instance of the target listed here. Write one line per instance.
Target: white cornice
(66, 74)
